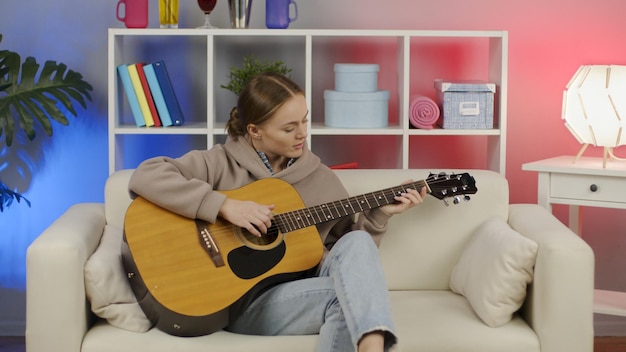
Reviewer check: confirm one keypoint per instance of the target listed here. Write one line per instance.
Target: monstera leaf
(29, 96)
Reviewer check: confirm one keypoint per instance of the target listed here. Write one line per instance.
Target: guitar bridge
(208, 244)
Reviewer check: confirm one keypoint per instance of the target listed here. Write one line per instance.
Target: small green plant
(239, 77)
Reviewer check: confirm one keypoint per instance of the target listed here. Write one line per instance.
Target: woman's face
(284, 134)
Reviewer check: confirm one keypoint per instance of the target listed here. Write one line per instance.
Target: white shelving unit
(198, 61)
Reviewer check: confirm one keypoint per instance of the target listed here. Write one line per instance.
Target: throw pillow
(107, 286)
(494, 270)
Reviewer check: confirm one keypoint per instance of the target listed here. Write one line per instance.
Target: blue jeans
(348, 299)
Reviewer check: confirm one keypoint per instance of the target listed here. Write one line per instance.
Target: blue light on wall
(71, 168)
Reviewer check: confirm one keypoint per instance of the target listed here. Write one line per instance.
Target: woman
(346, 300)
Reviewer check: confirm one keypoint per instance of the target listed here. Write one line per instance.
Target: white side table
(584, 183)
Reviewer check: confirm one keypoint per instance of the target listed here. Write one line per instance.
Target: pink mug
(135, 13)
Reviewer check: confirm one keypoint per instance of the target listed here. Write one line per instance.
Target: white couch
(419, 254)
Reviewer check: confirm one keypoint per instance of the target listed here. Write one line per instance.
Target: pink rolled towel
(423, 112)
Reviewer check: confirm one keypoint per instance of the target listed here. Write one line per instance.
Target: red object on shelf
(350, 165)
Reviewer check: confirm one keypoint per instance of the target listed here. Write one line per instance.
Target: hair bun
(234, 125)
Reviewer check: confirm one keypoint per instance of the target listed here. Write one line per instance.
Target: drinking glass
(207, 6)
(168, 13)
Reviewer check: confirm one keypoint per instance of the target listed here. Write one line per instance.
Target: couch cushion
(107, 287)
(432, 320)
(426, 320)
(156, 340)
(494, 270)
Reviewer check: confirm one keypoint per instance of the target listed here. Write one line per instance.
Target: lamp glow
(594, 107)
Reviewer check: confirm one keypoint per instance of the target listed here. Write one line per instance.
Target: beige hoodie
(187, 185)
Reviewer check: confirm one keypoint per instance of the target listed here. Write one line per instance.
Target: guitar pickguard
(248, 263)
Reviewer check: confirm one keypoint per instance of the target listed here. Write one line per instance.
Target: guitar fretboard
(301, 218)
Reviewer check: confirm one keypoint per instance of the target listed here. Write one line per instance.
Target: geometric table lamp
(594, 107)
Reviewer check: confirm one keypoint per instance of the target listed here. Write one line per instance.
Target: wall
(548, 40)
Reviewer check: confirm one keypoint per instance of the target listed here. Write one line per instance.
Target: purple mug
(277, 13)
(135, 13)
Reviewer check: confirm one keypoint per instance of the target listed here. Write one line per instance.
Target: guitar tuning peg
(457, 200)
(467, 198)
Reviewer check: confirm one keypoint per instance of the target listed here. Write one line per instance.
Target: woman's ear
(253, 131)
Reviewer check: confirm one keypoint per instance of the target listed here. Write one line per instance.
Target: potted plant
(239, 77)
(29, 97)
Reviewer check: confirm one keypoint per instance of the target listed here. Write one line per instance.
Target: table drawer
(588, 187)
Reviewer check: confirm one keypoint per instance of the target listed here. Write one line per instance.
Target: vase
(239, 13)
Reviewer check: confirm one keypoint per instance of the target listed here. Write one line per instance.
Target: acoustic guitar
(186, 273)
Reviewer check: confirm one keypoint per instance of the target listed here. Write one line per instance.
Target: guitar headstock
(455, 186)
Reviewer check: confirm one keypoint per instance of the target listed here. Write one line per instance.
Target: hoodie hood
(248, 158)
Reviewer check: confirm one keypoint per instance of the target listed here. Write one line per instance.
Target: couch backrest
(116, 197)
(421, 246)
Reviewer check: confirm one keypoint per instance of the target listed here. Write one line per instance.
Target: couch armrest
(57, 315)
(559, 306)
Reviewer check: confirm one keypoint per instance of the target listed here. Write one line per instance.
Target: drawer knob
(593, 187)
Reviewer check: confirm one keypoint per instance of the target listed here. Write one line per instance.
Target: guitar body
(195, 270)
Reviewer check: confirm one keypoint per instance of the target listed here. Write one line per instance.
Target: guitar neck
(301, 218)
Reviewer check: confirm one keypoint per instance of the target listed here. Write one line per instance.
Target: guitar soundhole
(267, 241)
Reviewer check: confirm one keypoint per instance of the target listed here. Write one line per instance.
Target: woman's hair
(258, 101)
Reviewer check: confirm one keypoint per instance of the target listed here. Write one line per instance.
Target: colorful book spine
(148, 93)
(141, 96)
(122, 71)
(157, 95)
(168, 93)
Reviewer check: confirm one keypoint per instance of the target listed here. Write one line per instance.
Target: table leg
(575, 221)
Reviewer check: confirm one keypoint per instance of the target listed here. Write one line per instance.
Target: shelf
(199, 59)
(305, 32)
(320, 129)
(191, 128)
(453, 132)
(609, 302)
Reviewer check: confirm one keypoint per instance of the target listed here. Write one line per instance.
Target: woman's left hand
(405, 201)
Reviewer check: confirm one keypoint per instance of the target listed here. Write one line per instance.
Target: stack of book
(150, 94)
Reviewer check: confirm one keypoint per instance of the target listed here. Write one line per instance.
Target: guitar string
(382, 197)
(305, 217)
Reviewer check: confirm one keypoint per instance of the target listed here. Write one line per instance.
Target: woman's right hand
(254, 217)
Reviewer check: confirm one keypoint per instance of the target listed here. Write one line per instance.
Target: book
(122, 71)
(141, 96)
(148, 93)
(157, 95)
(168, 93)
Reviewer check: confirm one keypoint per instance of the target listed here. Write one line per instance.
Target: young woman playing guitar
(344, 298)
